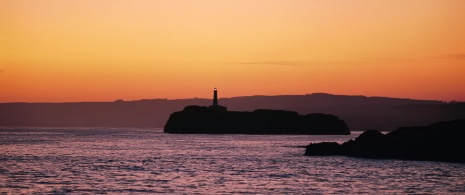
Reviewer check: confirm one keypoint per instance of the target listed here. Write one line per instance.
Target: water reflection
(148, 161)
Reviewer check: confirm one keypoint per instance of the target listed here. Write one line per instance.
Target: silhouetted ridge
(359, 112)
(209, 120)
(442, 141)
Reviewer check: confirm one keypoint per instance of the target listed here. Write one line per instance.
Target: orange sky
(87, 50)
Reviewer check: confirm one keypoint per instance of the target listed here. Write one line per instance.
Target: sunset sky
(88, 50)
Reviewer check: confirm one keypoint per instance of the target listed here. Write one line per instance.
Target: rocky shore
(442, 141)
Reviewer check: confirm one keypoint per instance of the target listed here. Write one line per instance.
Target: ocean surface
(142, 161)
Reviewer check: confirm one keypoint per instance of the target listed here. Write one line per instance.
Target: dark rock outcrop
(199, 119)
(324, 149)
(443, 141)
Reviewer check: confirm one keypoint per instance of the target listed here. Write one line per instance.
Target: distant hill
(359, 112)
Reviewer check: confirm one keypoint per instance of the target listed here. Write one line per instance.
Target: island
(216, 119)
(442, 141)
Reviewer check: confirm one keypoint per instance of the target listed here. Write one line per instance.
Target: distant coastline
(359, 112)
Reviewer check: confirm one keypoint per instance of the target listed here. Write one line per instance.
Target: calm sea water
(102, 160)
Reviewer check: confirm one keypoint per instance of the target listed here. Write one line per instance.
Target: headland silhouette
(442, 141)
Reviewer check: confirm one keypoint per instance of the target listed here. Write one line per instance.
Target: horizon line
(167, 99)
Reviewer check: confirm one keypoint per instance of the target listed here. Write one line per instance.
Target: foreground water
(102, 160)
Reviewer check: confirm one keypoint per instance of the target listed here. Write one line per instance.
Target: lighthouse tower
(215, 105)
(215, 97)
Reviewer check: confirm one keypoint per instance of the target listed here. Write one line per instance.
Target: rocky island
(217, 119)
(442, 141)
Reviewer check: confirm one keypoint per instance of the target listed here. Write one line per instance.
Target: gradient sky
(87, 50)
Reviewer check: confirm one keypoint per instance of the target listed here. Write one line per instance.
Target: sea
(148, 161)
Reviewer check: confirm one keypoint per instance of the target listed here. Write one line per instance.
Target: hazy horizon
(210, 98)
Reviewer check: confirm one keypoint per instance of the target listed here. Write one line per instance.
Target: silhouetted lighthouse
(215, 97)
(215, 107)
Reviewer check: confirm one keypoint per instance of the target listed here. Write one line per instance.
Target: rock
(213, 120)
(441, 141)
(323, 149)
(369, 144)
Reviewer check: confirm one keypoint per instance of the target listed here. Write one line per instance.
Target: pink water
(142, 161)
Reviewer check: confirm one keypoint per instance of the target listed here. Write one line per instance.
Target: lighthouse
(215, 97)
(215, 105)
